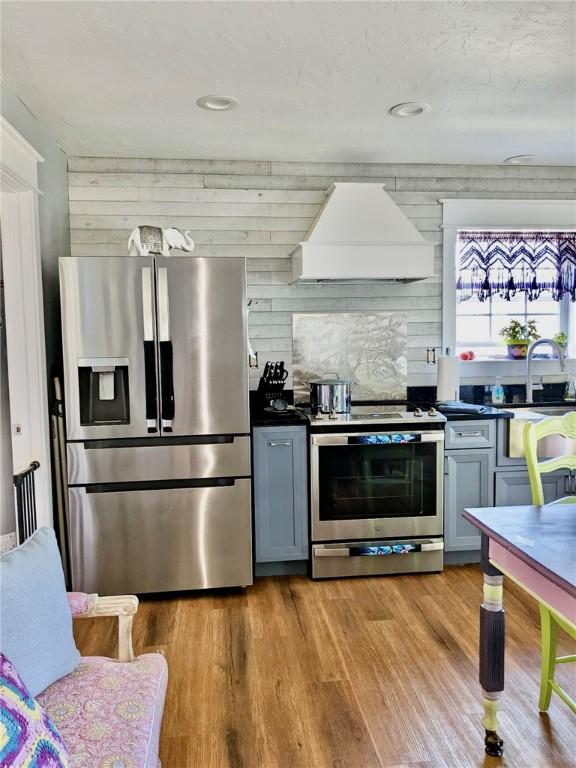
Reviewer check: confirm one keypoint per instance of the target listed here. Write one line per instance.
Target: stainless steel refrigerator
(157, 421)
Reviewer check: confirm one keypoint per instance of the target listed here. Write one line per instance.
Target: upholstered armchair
(109, 711)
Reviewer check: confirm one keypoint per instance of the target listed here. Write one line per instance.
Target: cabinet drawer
(470, 434)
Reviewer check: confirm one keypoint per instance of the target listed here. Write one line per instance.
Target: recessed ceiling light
(217, 103)
(520, 159)
(410, 109)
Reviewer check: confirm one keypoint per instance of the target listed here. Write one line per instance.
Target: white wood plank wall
(260, 210)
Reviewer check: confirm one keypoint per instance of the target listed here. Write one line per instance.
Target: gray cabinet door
(280, 493)
(469, 482)
(513, 488)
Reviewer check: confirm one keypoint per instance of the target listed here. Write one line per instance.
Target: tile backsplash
(366, 348)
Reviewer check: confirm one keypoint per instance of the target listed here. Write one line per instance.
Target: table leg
(491, 651)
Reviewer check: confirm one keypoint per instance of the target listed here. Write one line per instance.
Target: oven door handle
(338, 439)
(319, 550)
(332, 552)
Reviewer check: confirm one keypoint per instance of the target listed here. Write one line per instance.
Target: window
(478, 323)
(504, 275)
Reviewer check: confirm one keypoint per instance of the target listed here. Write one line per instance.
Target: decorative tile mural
(368, 348)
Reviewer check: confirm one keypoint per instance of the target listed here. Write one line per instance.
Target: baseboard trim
(462, 558)
(7, 541)
(282, 568)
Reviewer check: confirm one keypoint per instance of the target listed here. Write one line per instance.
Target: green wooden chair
(550, 621)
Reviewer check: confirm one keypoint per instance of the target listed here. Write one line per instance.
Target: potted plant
(562, 340)
(518, 336)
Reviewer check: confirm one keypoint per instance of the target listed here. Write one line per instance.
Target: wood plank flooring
(358, 673)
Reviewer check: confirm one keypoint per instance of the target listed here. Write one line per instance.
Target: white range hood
(361, 234)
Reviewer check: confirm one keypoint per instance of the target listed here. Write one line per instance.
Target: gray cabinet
(513, 488)
(468, 482)
(280, 473)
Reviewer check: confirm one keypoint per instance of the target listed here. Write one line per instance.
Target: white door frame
(25, 341)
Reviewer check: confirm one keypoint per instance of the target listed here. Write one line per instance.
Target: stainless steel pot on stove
(329, 396)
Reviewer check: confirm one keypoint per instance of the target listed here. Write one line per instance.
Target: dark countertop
(490, 413)
(417, 396)
(290, 418)
(424, 397)
(541, 404)
(295, 417)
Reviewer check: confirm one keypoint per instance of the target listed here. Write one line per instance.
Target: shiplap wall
(261, 210)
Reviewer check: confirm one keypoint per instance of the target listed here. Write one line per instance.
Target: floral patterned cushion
(109, 712)
(28, 739)
(79, 602)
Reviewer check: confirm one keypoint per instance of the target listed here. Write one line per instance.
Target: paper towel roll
(448, 384)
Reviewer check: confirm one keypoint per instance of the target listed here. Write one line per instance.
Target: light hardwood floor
(358, 673)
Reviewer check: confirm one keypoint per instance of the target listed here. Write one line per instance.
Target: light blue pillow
(35, 619)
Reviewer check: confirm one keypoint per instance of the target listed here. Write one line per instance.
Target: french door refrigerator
(157, 420)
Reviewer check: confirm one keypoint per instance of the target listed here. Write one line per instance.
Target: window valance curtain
(504, 263)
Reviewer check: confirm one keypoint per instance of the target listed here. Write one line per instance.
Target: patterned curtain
(503, 263)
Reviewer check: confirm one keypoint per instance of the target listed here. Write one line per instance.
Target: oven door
(376, 485)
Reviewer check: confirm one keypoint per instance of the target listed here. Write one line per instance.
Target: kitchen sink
(549, 447)
(554, 410)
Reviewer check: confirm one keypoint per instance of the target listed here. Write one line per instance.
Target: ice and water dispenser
(104, 391)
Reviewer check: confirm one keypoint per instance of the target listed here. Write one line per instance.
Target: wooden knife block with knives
(271, 382)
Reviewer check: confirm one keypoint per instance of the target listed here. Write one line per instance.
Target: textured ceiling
(314, 79)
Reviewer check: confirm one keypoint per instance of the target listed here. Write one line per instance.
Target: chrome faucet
(531, 348)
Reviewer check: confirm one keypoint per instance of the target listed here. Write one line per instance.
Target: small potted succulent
(518, 336)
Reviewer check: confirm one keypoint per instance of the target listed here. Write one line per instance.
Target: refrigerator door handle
(166, 353)
(158, 485)
(167, 384)
(149, 351)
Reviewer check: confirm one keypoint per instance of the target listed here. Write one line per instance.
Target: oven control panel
(394, 438)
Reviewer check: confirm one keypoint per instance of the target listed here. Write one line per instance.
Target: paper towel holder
(448, 379)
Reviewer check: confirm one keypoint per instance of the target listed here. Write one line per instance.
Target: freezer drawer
(108, 462)
(161, 540)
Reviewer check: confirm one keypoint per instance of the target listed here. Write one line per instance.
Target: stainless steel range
(377, 492)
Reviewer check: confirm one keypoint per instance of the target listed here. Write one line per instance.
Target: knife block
(267, 392)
